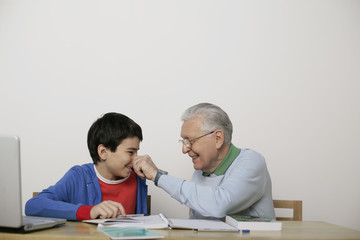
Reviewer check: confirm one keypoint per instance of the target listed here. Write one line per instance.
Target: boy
(103, 189)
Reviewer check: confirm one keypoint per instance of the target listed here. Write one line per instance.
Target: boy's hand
(107, 209)
(144, 167)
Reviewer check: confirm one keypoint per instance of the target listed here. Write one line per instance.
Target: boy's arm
(83, 212)
(46, 207)
(64, 198)
(105, 209)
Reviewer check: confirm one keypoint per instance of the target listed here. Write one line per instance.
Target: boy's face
(118, 164)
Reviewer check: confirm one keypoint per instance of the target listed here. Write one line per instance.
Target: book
(252, 223)
(160, 221)
(149, 222)
(118, 218)
(129, 233)
(201, 225)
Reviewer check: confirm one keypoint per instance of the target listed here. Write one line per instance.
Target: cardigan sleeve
(62, 200)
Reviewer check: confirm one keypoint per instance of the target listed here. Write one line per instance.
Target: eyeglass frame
(191, 141)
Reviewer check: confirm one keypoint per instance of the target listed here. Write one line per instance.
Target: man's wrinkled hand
(144, 167)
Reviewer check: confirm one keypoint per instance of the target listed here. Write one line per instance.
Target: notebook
(11, 214)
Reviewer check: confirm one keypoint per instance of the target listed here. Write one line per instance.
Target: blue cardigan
(79, 186)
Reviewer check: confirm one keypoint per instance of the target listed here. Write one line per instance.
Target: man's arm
(238, 190)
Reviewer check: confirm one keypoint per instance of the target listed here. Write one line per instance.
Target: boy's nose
(131, 164)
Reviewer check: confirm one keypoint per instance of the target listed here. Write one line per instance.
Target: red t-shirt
(124, 192)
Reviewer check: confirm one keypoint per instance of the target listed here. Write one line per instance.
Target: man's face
(202, 151)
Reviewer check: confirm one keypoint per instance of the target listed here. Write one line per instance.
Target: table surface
(290, 230)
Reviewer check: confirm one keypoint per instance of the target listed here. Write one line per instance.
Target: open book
(149, 222)
(160, 221)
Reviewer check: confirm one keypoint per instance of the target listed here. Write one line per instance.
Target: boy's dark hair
(110, 130)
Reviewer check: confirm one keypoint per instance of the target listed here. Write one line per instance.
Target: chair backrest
(35, 193)
(295, 205)
(148, 202)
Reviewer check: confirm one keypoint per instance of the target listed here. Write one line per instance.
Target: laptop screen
(10, 182)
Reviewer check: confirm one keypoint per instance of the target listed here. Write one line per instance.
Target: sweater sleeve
(83, 212)
(64, 198)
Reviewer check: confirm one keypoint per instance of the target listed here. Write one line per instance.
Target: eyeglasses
(189, 142)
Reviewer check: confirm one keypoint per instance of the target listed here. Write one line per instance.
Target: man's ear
(102, 152)
(219, 138)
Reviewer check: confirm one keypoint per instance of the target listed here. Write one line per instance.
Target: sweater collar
(110, 181)
(226, 162)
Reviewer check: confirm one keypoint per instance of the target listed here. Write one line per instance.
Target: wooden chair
(295, 205)
(35, 193)
(148, 202)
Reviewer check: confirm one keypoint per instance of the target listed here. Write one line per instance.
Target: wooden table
(291, 230)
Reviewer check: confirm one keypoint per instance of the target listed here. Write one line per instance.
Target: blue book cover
(129, 233)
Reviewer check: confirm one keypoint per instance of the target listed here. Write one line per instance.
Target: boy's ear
(102, 151)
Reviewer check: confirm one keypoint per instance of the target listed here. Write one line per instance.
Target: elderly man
(227, 179)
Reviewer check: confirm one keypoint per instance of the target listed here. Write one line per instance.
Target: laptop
(11, 213)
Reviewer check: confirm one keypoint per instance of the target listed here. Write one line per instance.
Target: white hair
(213, 118)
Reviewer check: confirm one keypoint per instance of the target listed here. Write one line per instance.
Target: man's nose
(185, 149)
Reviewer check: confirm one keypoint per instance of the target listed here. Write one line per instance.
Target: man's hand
(144, 167)
(107, 209)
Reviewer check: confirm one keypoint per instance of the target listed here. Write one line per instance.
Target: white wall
(287, 73)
